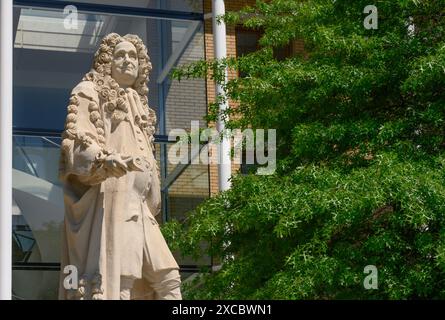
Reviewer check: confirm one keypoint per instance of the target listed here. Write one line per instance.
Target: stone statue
(111, 182)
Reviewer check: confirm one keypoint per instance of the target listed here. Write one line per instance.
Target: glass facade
(49, 60)
(185, 6)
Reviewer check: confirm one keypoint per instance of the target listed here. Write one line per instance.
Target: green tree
(360, 175)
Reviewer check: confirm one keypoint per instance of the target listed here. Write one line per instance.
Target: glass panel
(49, 60)
(184, 150)
(186, 100)
(188, 191)
(29, 279)
(37, 217)
(176, 5)
(247, 41)
(37, 156)
(23, 240)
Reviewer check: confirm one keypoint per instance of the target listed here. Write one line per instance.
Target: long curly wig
(101, 72)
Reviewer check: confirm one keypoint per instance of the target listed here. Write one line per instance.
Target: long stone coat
(108, 220)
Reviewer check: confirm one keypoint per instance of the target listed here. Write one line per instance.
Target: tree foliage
(360, 178)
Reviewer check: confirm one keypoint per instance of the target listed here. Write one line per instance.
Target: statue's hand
(134, 164)
(116, 164)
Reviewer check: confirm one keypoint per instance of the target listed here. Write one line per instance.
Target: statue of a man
(111, 182)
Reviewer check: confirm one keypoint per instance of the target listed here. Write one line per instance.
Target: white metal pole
(219, 40)
(6, 148)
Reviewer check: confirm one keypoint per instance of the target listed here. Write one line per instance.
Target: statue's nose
(127, 59)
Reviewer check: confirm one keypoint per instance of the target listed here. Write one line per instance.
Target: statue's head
(125, 59)
(121, 62)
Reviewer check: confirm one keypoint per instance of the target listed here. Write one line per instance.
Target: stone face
(111, 182)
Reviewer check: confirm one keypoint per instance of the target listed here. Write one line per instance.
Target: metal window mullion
(162, 119)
